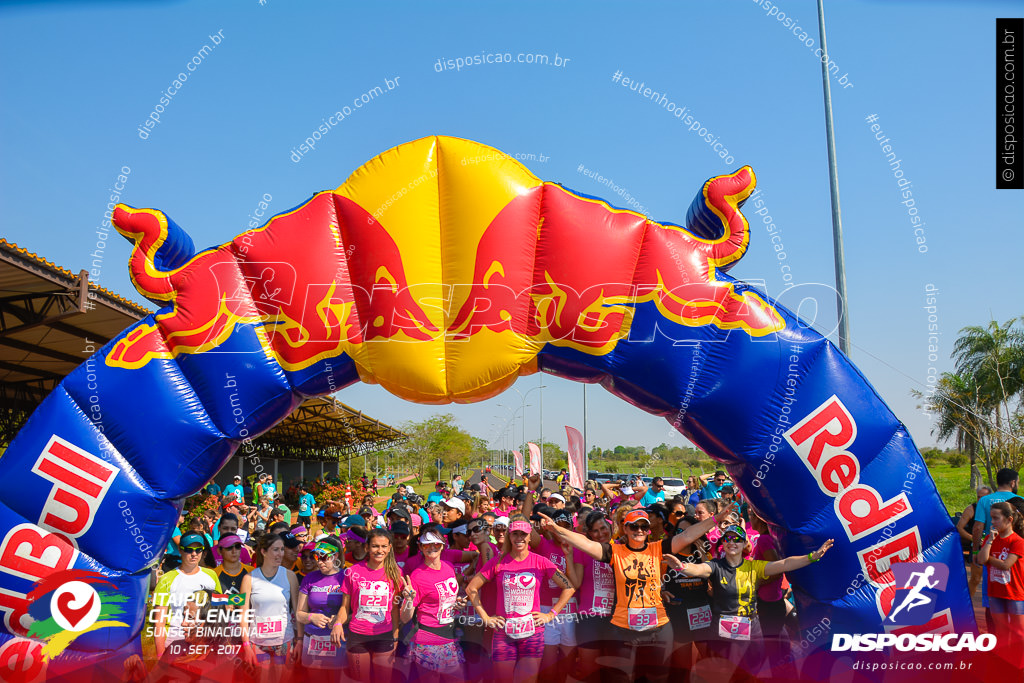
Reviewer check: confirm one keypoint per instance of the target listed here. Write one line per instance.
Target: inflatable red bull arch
(443, 270)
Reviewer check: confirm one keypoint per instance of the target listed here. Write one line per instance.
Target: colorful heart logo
(75, 606)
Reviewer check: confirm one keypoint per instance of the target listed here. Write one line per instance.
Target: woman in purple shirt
(320, 598)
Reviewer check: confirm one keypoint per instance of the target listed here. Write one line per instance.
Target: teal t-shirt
(306, 504)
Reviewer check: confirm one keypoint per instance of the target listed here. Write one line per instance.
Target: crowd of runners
(494, 581)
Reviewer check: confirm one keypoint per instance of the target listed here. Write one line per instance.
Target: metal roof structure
(52, 320)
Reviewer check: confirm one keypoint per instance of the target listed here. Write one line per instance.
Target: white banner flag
(518, 463)
(576, 473)
(534, 458)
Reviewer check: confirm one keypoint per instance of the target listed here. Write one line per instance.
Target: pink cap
(520, 525)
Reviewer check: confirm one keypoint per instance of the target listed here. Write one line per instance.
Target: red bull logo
(427, 295)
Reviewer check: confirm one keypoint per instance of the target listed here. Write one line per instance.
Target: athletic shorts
(358, 643)
(561, 630)
(984, 587)
(442, 659)
(314, 658)
(593, 631)
(1004, 606)
(505, 649)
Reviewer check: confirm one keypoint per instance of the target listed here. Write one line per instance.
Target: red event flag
(534, 458)
(576, 473)
(518, 463)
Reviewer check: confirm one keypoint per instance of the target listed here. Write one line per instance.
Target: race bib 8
(734, 628)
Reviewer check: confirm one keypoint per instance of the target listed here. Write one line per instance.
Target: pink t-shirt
(549, 590)
(519, 582)
(371, 599)
(401, 558)
(436, 593)
(770, 590)
(597, 591)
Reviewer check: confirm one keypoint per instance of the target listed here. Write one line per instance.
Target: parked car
(647, 480)
(674, 487)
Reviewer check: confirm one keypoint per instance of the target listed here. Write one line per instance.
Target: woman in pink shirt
(518, 642)
(369, 588)
(432, 594)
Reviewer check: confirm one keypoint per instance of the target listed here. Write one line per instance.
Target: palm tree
(954, 403)
(994, 356)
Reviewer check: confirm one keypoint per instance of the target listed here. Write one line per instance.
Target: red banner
(577, 470)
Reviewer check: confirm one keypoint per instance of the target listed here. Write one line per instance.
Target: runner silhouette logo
(918, 586)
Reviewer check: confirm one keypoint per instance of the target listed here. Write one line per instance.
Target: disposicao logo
(914, 605)
(67, 604)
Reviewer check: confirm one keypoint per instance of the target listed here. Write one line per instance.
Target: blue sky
(81, 78)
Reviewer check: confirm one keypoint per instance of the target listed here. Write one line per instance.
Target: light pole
(523, 396)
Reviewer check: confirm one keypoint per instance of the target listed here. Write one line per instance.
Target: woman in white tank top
(271, 592)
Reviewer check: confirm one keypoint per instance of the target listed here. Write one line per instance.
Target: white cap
(432, 537)
(501, 521)
(556, 496)
(408, 488)
(455, 503)
(627, 490)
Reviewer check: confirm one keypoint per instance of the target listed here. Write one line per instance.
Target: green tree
(994, 357)
(437, 437)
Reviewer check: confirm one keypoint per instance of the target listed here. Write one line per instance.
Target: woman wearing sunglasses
(432, 594)
(475, 638)
(370, 588)
(231, 569)
(271, 592)
(320, 599)
(518, 641)
(639, 630)
(734, 584)
(177, 586)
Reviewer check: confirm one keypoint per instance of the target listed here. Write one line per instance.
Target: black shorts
(593, 632)
(378, 644)
(306, 522)
(681, 631)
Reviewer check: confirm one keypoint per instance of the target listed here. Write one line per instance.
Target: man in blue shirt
(654, 493)
(213, 488)
(307, 506)
(713, 485)
(235, 490)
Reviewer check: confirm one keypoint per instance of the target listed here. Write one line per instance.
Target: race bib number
(374, 602)
(302, 509)
(999, 575)
(520, 627)
(321, 646)
(446, 613)
(734, 628)
(270, 630)
(642, 618)
(699, 617)
(603, 605)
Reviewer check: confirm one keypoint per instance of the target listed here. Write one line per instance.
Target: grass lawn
(954, 485)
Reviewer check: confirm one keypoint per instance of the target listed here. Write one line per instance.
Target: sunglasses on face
(639, 527)
(237, 546)
(478, 529)
(733, 539)
(402, 536)
(197, 551)
(321, 555)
